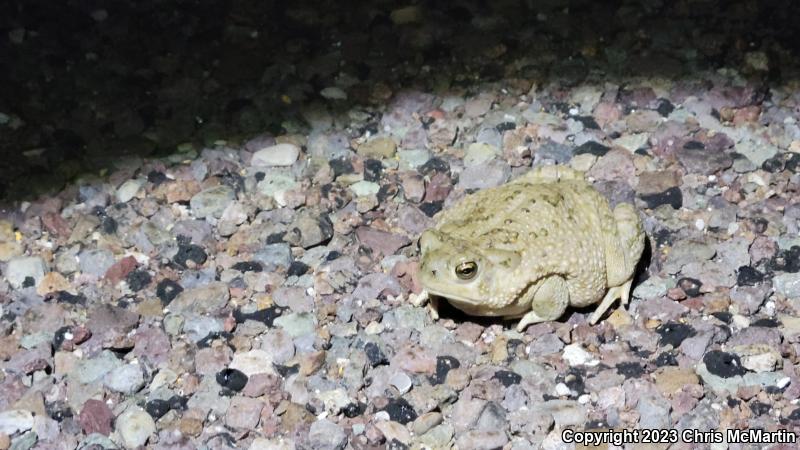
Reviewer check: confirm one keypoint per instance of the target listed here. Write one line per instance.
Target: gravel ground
(253, 288)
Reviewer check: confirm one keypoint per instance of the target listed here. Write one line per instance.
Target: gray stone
(275, 184)
(199, 327)
(411, 159)
(482, 440)
(212, 201)
(125, 379)
(489, 174)
(787, 284)
(438, 436)
(279, 343)
(756, 152)
(478, 153)
(277, 155)
(273, 256)
(243, 413)
(309, 229)
(21, 268)
(14, 421)
(326, 435)
(296, 324)
(95, 262)
(566, 412)
(401, 382)
(364, 188)
(559, 153)
(127, 190)
(94, 369)
(653, 412)
(134, 427)
(201, 300)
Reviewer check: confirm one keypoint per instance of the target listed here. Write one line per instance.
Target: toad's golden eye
(467, 270)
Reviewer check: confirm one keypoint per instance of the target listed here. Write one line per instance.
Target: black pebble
(266, 316)
(724, 316)
(505, 126)
(372, 170)
(507, 378)
(431, 208)
(434, 165)
(375, 354)
(394, 444)
(354, 409)
(109, 225)
(765, 323)
(66, 297)
(167, 290)
(774, 164)
(58, 411)
(671, 196)
(588, 122)
(630, 369)
(286, 371)
(341, 166)
(674, 333)
(748, 276)
(443, 365)
(297, 268)
(794, 415)
(260, 176)
(665, 107)
(386, 192)
(232, 379)
(138, 280)
(332, 255)
(786, 260)
(191, 252)
(793, 163)
(400, 411)
(666, 359)
(157, 408)
(178, 402)
(213, 336)
(28, 282)
(247, 266)
(723, 364)
(574, 381)
(759, 408)
(690, 286)
(276, 238)
(156, 177)
(59, 338)
(694, 145)
(592, 148)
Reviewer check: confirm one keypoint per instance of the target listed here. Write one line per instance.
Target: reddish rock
(407, 273)
(438, 188)
(121, 269)
(96, 417)
(56, 224)
(381, 241)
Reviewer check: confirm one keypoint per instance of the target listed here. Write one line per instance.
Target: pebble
(212, 202)
(364, 188)
(575, 355)
(13, 421)
(96, 417)
(134, 427)
(787, 285)
(284, 154)
(478, 153)
(127, 190)
(326, 435)
(21, 269)
(381, 147)
(125, 379)
(95, 262)
(296, 324)
(401, 382)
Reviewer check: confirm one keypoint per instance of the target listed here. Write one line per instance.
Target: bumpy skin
(538, 244)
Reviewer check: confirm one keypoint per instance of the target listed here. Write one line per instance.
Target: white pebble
(700, 224)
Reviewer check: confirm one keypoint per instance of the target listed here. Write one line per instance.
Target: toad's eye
(467, 270)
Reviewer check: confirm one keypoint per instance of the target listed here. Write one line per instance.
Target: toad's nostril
(433, 272)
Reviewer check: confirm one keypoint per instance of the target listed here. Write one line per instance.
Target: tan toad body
(532, 247)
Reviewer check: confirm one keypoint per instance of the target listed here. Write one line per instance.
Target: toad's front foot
(433, 302)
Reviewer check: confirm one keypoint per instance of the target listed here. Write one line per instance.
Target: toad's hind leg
(548, 301)
(618, 292)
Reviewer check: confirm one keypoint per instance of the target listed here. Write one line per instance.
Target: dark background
(85, 83)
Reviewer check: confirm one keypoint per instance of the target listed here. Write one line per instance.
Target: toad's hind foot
(617, 292)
